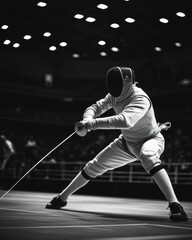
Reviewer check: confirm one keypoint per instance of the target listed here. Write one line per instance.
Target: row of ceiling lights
(89, 19)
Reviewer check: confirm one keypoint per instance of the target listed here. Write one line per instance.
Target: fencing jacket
(134, 115)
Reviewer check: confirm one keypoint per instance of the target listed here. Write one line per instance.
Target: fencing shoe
(56, 203)
(177, 212)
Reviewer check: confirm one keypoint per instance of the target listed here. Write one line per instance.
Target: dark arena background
(54, 56)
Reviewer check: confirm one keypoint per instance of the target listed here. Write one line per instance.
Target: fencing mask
(119, 79)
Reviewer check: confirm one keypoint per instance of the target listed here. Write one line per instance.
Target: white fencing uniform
(140, 139)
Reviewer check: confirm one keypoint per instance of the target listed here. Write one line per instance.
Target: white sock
(163, 181)
(78, 182)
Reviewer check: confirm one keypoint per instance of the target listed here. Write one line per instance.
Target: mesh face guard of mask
(117, 77)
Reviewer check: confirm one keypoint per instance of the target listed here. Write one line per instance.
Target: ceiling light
(75, 55)
(7, 42)
(163, 20)
(90, 19)
(101, 42)
(130, 20)
(52, 48)
(185, 82)
(103, 54)
(16, 45)
(4, 27)
(41, 4)
(158, 49)
(102, 6)
(114, 25)
(63, 44)
(177, 44)
(27, 37)
(47, 34)
(180, 14)
(68, 99)
(78, 16)
(115, 49)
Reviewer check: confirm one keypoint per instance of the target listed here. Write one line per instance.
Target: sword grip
(81, 129)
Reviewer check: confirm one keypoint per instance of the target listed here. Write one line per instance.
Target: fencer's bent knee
(151, 151)
(94, 169)
(149, 160)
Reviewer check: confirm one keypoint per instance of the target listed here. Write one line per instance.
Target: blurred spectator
(6, 152)
(179, 140)
(30, 152)
(48, 80)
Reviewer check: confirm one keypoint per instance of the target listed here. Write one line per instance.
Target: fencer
(140, 139)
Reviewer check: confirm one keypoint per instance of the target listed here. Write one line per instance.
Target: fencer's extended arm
(126, 119)
(98, 108)
(91, 113)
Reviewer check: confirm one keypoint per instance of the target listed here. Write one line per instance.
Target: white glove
(84, 126)
(80, 128)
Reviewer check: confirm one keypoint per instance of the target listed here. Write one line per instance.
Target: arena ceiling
(142, 27)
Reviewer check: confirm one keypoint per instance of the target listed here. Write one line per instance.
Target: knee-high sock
(163, 181)
(78, 182)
